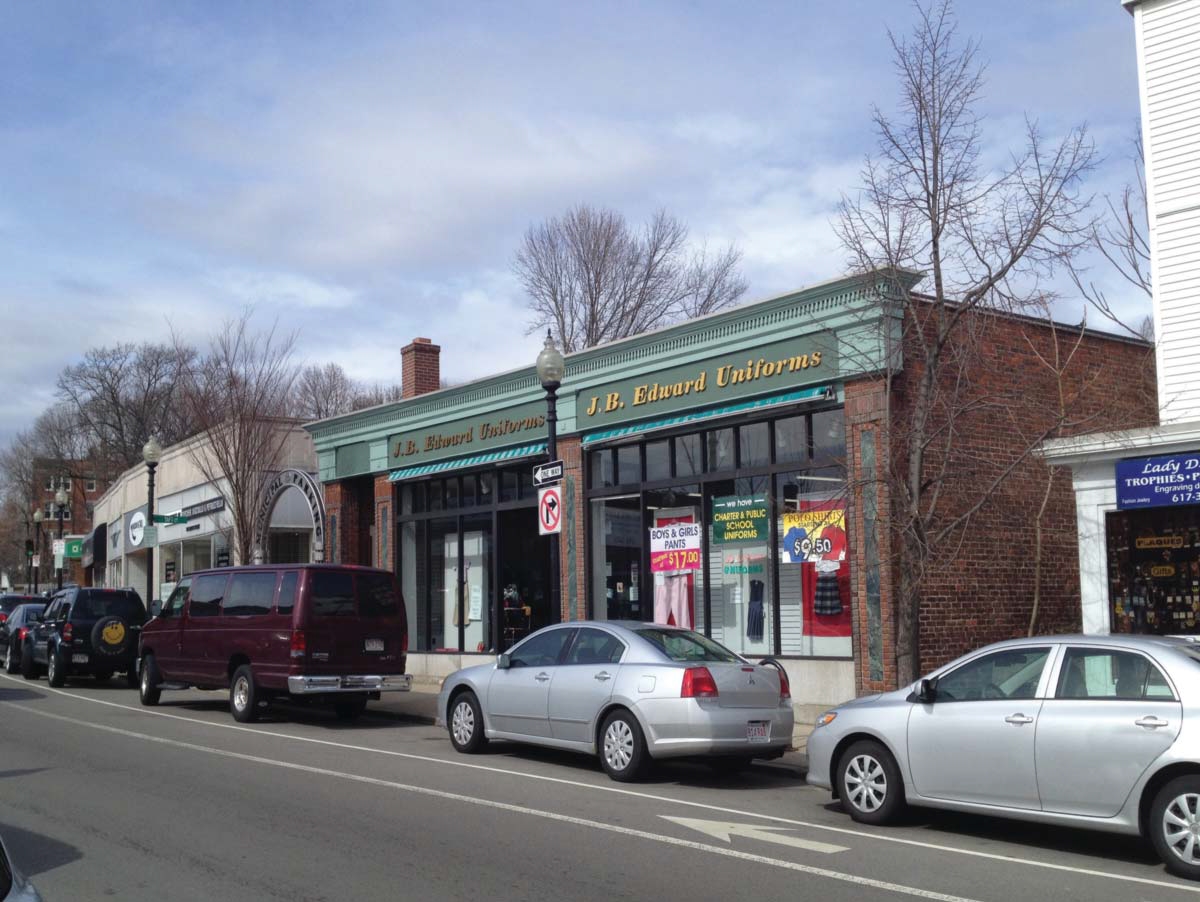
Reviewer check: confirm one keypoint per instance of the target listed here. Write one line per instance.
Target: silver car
(628, 691)
(1101, 732)
(13, 885)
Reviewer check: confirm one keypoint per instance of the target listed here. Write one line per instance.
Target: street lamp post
(550, 367)
(60, 503)
(151, 452)
(37, 545)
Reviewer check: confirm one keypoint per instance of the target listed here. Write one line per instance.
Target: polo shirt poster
(814, 571)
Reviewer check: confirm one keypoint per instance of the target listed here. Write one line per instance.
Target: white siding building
(1137, 493)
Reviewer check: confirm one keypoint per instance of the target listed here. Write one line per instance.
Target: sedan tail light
(22, 633)
(785, 687)
(299, 644)
(698, 683)
(68, 632)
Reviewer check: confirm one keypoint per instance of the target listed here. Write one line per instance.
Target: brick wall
(420, 368)
(573, 541)
(385, 523)
(980, 585)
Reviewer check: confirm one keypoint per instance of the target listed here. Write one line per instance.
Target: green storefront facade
(712, 479)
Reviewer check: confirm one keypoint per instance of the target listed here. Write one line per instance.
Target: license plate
(758, 731)
(373, 645)
(79, 659)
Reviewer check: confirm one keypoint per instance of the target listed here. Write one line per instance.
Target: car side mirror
(155, 608)
(503, 662)
(927, 694)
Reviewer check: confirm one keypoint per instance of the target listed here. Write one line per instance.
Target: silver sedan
(629, 692)
(1100, 732)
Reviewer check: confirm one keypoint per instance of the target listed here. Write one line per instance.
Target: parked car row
(260, 632)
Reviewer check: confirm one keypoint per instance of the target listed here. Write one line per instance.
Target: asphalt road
(105, 799)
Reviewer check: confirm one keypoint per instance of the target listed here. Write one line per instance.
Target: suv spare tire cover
(111, 636)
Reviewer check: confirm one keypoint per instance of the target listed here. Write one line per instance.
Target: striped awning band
(460, 463)
(820, 393)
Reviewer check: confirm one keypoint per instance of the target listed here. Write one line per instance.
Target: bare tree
(377, 393)
(238, 397)
(985, 239)
(592, 279)
(1122, 237)
(119, 395)
(324, 391)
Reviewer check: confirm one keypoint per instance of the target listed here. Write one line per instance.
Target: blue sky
(364, 171)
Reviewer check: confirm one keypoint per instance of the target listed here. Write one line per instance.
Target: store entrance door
(524, 576)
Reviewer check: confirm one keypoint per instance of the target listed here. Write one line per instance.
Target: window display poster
(814, 541)
(738, 518)
(675, 547)
(813, 535)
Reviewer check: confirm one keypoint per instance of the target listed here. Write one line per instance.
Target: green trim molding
(822, 335)
(461, 463)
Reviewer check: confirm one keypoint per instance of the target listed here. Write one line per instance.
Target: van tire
(148, 690)
(243, 695)
(350, 707)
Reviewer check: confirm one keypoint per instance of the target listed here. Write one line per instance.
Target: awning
(459, 463)
(820, 393)
(94, 539)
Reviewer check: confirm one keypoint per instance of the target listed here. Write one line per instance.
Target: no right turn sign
(550, 510)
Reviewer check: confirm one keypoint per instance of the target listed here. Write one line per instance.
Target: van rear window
(332, 594)
(377, 595)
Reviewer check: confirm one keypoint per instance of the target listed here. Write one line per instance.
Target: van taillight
(698, 683)
(68, 632)
(299, 644)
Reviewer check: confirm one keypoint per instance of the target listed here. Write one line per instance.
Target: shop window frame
(706, 479)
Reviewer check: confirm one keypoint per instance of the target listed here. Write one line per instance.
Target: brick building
(732, 474)
(82, 494)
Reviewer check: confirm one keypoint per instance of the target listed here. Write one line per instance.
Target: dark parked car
(278, 631)
(10, 600)
(85, 631)
(13, 630)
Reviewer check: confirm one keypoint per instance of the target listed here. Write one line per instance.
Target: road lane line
(515, 809)
(616, 790)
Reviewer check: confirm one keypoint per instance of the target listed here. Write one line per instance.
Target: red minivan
(279, 630)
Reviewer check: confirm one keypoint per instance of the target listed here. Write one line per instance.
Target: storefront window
(658, 461)
(814, 568)
(720, 450)
(452, 494)
(740, 569)
(676, 575)
(1154, 570)
(443, 592)
(688, 456)
(629, 465)
(749, 545)
(791, 439)
(616, 558)
(755, 445)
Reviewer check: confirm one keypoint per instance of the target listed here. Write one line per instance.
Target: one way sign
(549, 510)
(548, 474)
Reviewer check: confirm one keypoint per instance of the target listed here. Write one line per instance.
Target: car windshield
(684, 645)
(94, 605)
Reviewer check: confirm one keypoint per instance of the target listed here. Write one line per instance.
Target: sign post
(549, 511)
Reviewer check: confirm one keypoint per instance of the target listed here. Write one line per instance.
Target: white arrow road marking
(858, 879)
(725, 831)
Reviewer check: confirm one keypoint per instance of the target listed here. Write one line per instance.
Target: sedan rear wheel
(869, 783)
(1175, 826)
(466, 724)
(11, 661)
(622, 747)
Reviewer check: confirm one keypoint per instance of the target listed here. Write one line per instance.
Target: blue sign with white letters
(1158, 481)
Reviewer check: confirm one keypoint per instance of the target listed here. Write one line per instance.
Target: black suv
(89, 631)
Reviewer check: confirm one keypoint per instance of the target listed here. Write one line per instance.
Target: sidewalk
(420, 706)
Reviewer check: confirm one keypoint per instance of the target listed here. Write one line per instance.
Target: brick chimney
(420, 368)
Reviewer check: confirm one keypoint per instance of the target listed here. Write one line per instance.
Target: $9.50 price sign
(675, 547)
